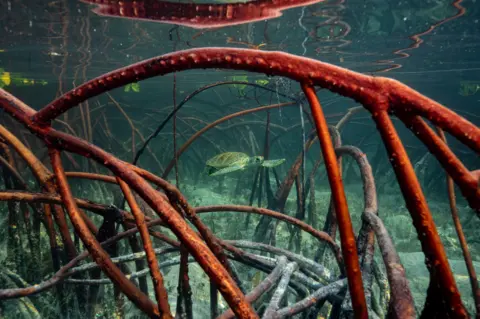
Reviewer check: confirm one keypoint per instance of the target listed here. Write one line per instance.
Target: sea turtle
(233, 161)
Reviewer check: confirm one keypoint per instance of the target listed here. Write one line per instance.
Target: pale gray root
(279, 293)
(324, 292)
(261, 288)
(141, 273)
(269, 263)
(319, 270)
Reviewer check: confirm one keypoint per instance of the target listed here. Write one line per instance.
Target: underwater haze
(223, 144)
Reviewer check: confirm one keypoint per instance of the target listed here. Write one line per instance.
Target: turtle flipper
(228, 170)
(273, 163)
(211, 170)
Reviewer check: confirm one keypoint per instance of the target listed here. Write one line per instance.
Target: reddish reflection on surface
(328, 31)
(331, 32)
(200, 15)
(417, 40)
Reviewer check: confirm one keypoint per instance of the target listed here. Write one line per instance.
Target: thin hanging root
(134, 131)
(174, 128)
(304, 157)
(312, 205)
(461, 236)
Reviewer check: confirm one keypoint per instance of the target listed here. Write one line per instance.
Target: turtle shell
(228, 159)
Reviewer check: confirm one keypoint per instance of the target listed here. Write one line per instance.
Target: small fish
(468, 88)
(262, 81)
(7, 79)
(135, 87)
(257, 47)
(240, 87)
(28, 82)
(53, 53)
(257, 278)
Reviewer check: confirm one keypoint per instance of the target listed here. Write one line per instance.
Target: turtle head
(256, 160)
